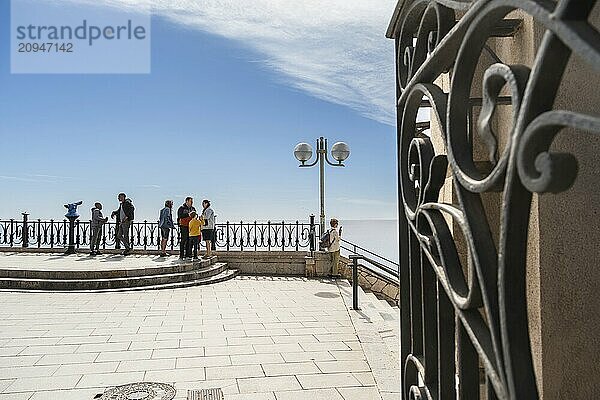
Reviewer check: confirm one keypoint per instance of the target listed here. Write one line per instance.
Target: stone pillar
(322, 263)
(310, 270)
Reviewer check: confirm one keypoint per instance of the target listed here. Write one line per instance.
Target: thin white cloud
(334, 50)
(52, 177)
(17, 178)
(40, 178)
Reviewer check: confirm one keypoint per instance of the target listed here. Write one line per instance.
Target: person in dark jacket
(183, 219)
(165, 223)
(124, 216)
(98, 221)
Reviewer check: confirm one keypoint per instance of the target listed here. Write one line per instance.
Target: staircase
(171, 276)
(385, 317)
(377, 325)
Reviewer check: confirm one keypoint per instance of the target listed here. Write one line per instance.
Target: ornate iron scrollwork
(460, 313)
(269, 236)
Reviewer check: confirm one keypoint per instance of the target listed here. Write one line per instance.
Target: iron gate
(464, 319)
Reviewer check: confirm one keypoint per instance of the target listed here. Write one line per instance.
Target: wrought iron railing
(145, 235)
(462, 310)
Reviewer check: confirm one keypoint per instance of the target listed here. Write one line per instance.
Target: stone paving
(81, 261)
(255, 338)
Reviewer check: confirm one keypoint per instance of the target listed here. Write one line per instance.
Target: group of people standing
(193, 227)
(124, 216)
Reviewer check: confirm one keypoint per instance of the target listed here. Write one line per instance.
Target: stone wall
(302, 264)
(266, 262)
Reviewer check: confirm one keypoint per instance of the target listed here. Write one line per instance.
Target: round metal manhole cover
(140, 391)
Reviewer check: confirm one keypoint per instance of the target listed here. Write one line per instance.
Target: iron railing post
(213, 243)
(297, 234)
(131, 235)
(39, 232)
(71, 247)
(355, 283)
(25, 230)
(117, 241)
(269, 235)
(65, 229)
(311, 234)
(78, 236)
(227, 244)
(12, 232)
(145, 234)
(51, 233)
(241, 235)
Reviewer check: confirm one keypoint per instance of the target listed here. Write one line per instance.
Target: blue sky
(218, 117)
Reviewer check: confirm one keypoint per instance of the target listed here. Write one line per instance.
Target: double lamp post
(303, 152)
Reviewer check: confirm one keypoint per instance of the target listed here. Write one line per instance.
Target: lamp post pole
(322, 152)
(339, 151)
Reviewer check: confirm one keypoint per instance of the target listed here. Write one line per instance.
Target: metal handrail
(379, 268)
(355, 258)
(356, 247)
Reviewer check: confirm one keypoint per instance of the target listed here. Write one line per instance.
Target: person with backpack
(331, 241)
(165, 224)
(124, 216)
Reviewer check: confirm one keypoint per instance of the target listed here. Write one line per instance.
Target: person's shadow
(112, 258)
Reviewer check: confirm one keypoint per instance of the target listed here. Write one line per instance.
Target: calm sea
(378, 236)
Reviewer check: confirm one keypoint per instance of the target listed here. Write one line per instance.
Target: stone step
(35, 272)
(221, 277)
(386, 320)
(365, 303)
(376, 303)
(390, 315)
(387, 304)
(160, 279)
(380, 304)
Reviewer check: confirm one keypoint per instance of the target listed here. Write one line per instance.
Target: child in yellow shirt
(195, 234)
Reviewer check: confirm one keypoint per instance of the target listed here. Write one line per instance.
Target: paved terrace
(255, 337)
(81, 261)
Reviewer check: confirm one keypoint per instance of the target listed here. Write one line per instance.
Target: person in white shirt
(334, 245)
(208, 230)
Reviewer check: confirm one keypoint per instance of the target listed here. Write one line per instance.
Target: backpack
(325, 241)
(132, 208)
